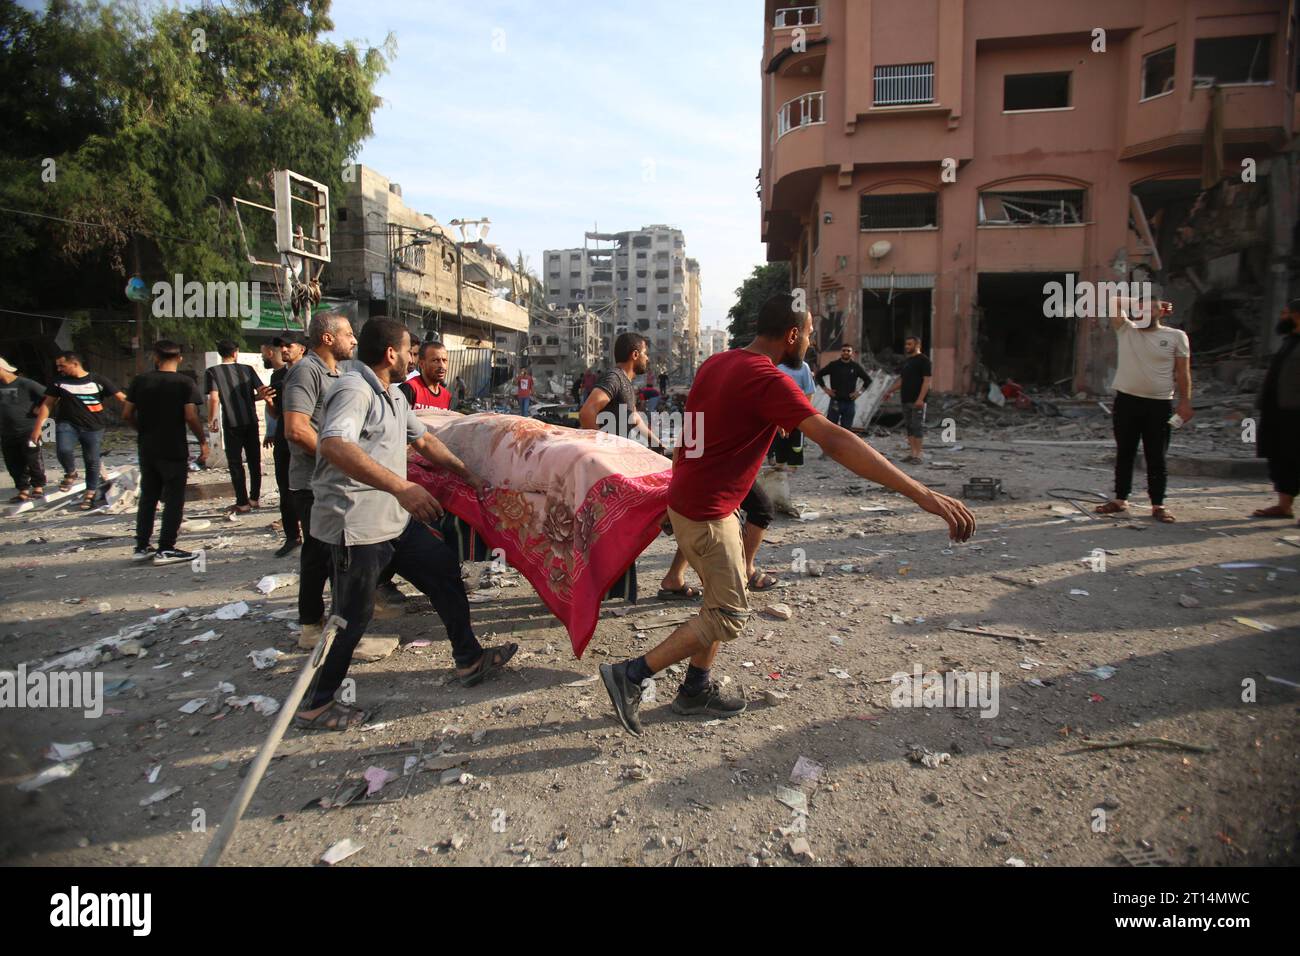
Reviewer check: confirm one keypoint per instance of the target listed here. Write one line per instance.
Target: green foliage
(153, 127)
(763, 283)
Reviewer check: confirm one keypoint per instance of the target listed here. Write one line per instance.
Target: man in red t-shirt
(524, 390)
(427, 385)
(740, 399)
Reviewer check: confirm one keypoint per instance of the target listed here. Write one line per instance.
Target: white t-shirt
(1146, 360)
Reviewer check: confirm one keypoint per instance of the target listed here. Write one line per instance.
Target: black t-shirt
(914, 371)
(160, 399)
(237, 385)
(616, 417)
(81, 400)
(16, 402)
(844, 378)
(277, 384)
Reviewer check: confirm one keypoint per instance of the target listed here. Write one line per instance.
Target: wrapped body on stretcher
(570, 509)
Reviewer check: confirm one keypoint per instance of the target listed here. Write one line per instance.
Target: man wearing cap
(22, 453)
(289, 349)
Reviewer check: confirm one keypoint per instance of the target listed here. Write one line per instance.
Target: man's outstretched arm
(861, 459)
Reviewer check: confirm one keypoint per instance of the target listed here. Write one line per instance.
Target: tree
(763, 283)
(150, 120)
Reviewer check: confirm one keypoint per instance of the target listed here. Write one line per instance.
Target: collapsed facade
(930, 166)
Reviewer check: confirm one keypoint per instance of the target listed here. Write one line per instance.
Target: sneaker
(287, 547)
(708, 701)
(309, 637)
(172, 556)
(143, 554)
(625, 696)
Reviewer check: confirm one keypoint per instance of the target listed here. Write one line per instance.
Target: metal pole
(263, 759)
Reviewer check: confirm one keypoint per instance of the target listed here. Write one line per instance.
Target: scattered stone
(779, 612)
(1110, 803)
(800, 850)
(1003, 742)
(926, 757)
(1000, 838)
(1186, 600)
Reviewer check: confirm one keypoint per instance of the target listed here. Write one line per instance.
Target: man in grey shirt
(364, 509)
(308, 384)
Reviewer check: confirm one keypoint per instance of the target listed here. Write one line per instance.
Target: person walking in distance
(743, 399)
(235, 388)
(374, 518)
(524, 390)
(77, 399)
(1154, 359)
(844, 374)
(914, 382)
(1279, 417)
(20, 446)
(160, 405)
(306, 386)
(292, 347)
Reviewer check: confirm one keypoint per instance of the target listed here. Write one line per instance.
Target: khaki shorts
(714, 550)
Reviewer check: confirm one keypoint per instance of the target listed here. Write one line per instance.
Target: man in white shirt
(1153, 359)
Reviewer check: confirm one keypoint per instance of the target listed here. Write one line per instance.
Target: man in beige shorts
(740, 399)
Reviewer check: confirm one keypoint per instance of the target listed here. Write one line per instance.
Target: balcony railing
(904, 85)
(798, 17)
(801, 111)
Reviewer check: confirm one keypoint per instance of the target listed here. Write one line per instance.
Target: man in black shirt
(237, 388)
(914, 380)
(291, 347)
(22, 454)
(844, 374)
(611, 406)
(160, 404)
(77, 399)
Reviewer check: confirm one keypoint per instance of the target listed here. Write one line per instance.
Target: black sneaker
(708, 701)
(625, 696)
(173, 556)
(287, 548)
(143, 554)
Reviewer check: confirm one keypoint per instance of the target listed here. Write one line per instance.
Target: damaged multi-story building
(929, 166)
(638, 281)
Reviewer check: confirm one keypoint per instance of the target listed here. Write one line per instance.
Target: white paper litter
(265, 658)
(273, 582)
(160, 795)
(61, 752)
(231, 612)
(340, 851)
(202, 638)
(266, 706)
(57, 772)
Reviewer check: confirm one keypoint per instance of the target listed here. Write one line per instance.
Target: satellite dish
(880, 249)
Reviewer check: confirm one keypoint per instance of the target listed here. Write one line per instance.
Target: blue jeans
(66, 438)
(841, 412)
(523, 406)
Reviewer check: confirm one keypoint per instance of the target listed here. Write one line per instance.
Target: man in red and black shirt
(740, 399)
(427, 385)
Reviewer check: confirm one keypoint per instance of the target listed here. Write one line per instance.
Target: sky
(553, 118)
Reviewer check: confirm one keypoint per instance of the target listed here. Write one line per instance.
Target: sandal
(68, 481)
(686, 593)
(1276, 511)
(88, 500)
(491, 661)
(1110, 508)
(765, 581)
(1163, 516)
(20, 497)
(343, 718)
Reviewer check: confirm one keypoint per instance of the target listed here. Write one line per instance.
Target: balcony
(806, 110)
(788, 17)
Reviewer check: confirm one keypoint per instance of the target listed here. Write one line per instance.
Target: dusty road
(537, 771)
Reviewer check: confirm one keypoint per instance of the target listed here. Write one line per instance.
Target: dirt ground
(550, 778)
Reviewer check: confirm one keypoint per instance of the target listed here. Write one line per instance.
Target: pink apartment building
(928, 165)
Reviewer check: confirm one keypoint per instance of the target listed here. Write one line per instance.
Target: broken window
(1036, 91)
(1039, 207)
(1232, 60)
(1158, 73)
(899, 211)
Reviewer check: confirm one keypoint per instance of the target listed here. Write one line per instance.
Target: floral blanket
(571, 509)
